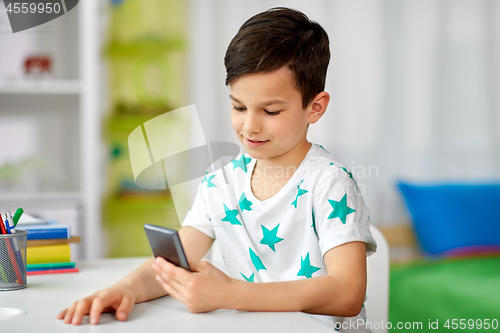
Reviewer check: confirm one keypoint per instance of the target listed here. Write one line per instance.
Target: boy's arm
(142, 280)
(339, 293)
(139, 286)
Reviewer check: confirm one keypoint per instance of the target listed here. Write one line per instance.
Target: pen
(18, 255)
(2, 226)
(2, 231)
(17, 216)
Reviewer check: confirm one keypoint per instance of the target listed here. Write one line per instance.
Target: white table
(47, 295)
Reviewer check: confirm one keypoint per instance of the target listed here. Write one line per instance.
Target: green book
(51, 265)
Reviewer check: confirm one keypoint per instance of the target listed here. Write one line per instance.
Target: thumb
(194, 266)
(198, 266)
(123, 310)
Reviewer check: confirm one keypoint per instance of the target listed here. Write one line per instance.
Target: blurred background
(414, 84)
(414, 113)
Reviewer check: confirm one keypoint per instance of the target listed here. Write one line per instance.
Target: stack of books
(48, 250)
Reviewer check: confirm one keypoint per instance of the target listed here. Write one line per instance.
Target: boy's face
(267, 114)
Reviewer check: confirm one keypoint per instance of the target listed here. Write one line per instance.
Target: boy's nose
(252, 123)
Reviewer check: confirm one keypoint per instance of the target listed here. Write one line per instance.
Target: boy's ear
(318, 106)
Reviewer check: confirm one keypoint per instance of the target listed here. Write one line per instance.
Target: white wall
(413, 83)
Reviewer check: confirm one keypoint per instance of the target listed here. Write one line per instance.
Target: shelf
(42, 87)
(41, 197)
(61, 114)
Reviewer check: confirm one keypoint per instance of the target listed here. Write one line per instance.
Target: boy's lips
(255, 143)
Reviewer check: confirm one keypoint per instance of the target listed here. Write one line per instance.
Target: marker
(17, 249)
(17, 216)
(14, 250)
(9, 223)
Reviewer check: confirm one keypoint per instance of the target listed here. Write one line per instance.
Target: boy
(291, 216)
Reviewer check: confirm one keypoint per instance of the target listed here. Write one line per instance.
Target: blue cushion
(450, 216)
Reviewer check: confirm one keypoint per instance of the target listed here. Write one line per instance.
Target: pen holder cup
(13, 260)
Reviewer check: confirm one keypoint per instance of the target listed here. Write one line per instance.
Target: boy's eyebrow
(271, 102)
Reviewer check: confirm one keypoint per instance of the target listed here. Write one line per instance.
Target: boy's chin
(253, 154)
(258, 155)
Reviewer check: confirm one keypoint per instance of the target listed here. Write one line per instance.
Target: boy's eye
(273, 113)
(242, 109)
(239, 109)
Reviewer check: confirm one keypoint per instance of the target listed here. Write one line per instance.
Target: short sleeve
(198, 216)
(339, 213)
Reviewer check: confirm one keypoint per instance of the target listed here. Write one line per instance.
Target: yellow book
(48, 254)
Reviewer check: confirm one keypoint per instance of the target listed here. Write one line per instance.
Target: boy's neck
(292, 158)
(269, 176)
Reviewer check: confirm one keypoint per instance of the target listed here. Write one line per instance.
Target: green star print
(314, 222)
(256, 261)
(241, 163)
(244, 202)
(299, 193)
(270, 238)
(231, 216)
(209, 180)
(350, 176)
(340, 209)
(306, 269)
(248, 279)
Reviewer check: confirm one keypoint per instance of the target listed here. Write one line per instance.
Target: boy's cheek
(235, 122)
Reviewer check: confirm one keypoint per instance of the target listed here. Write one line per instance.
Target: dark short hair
(281, 37)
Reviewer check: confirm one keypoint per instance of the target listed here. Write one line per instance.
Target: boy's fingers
(82, 308)
(68, 316)
(96, 309)
(175, 276)
(170, 289)
(124, 309)
(172, 272)
(172, 282)
(61, 314)
(167, 285)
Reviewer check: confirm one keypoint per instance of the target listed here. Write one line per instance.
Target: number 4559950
(471, 324)
(31, 7)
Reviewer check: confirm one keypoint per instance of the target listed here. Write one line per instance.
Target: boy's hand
(107, 300)
(206, 289)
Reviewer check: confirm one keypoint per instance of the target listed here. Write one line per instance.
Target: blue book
(46, 230)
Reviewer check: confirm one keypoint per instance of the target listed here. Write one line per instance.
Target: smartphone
(166, 243)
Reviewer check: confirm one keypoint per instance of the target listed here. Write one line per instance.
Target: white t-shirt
(284, 237)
